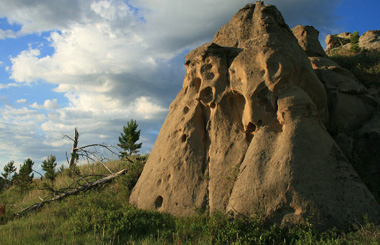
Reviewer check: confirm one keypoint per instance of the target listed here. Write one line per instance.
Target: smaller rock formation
(370, 40)
(307, 37)
(349, 104)
(341, 40)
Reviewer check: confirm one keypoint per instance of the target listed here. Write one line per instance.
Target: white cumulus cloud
(48, 105)
(113, 60)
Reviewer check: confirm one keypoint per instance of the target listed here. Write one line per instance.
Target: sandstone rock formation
(349, 104)
(307, 37)
(248, 133)
(370, 40)
(341, 40)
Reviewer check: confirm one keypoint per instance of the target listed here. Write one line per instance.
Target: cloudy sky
(96, 64)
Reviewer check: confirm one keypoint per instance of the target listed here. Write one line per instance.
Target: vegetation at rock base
(103, 216)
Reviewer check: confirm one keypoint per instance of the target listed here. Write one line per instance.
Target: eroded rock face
(307, 37)
(247, 134)
(370, 40)
(349, 104)
(341, 40)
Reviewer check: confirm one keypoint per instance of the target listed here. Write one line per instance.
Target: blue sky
(96, 64)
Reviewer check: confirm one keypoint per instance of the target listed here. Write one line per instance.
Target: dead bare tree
(88, 152)
(89, 155)
(72, 192)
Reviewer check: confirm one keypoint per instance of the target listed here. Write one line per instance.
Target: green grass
(103, 216)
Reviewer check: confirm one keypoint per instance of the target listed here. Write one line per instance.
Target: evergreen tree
(48, 166)
(25, 176)
(128, 139)
(354, 39)
(9, 173)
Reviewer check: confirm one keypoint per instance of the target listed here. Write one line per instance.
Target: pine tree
(128, 139)
(9, 173)
(48, 166)
(354, 39)
(25, 176)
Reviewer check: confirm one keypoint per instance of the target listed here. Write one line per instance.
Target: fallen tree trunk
(72, 192)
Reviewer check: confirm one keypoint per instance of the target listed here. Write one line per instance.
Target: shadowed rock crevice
(248, 133)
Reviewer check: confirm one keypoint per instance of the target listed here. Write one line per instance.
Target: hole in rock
(185, 110)
(248, 137)
(262, 92)
(158, 202)
(209, 76)
(187, 63)
(183, 138)
(196, 84)
(206, 68)
(206, 95)
(250, 127)
(212, 105)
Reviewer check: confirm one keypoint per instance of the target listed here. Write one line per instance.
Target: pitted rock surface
(247, 134)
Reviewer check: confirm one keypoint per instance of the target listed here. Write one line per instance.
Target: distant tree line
(24, 177)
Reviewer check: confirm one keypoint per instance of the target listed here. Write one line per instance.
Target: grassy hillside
(103, 216)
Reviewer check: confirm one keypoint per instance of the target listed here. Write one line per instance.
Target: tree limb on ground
(72, 192)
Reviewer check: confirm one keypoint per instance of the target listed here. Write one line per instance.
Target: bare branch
(72, 192)
(66, 136)
(106, 168)
(67, 159)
